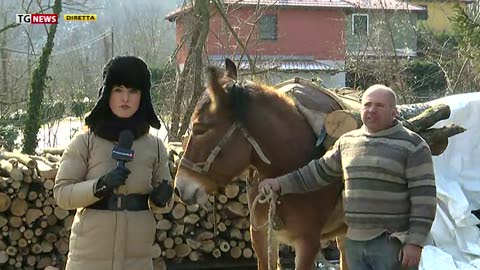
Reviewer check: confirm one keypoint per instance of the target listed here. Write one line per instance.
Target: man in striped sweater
(389, 196)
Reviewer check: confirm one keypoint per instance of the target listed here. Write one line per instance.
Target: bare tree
(196, 27)
(379, 56)
(199, 19)
(4, 57)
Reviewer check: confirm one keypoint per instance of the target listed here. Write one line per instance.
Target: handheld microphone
(123, 152)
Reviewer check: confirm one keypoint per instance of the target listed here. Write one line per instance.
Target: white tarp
(455, 238)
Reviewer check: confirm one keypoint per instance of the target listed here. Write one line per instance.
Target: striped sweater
(389, 180)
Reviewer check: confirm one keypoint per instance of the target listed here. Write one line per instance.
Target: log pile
(216, 230)
(35, 231)
(199, 233)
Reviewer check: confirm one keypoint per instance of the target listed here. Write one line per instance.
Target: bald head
(379, 108)
(384, 90)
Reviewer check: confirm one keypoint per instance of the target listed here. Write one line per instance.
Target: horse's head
(217, 149)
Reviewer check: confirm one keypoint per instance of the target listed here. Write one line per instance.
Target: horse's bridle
(203, 167)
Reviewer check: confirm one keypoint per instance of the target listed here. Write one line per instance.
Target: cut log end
(340, 122)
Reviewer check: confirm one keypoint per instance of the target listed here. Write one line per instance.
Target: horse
(237, 125)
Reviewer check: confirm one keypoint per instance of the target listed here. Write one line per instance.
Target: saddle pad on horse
(315, 102)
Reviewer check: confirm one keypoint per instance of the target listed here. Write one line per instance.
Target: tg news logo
(53, 18)
(37, 18)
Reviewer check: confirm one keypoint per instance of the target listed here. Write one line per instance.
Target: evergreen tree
(32, 123)
(468, 31)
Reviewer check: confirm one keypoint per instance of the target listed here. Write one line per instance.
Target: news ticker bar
(53, 18)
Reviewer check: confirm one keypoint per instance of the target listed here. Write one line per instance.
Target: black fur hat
(131, 72)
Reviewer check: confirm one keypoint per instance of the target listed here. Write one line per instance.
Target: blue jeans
(380, 253)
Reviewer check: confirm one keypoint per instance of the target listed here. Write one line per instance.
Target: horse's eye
(198, 130)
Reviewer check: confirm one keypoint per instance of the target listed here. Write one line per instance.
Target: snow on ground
(60, 133)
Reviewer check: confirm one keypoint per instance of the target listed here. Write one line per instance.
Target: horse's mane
(266, 93)
(242, 94)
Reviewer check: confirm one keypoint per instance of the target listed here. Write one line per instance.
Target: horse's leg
(341, 248)
(305, 254)
(261, 247)
(321, 255)
(286, 257)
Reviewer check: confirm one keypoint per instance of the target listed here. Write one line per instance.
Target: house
(301, 38)
(438, 13)
(381, 28)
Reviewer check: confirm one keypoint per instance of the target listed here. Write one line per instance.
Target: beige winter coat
(104, 239)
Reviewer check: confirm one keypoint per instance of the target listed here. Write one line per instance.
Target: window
(423, 14)
(360, 24)
(268, 27)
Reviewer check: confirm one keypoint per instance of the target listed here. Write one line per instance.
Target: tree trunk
(193, 63)
(429, 117)
(437, 138)
(6, 94)
(32, 124)
(340, 122)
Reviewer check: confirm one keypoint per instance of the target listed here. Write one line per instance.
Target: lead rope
(215, 229)
(266, 195)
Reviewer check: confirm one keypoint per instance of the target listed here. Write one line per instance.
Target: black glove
(113, 179)
(161, 193)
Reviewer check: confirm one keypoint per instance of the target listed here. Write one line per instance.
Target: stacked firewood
(35, 231)
(200, 232)
(218, 229)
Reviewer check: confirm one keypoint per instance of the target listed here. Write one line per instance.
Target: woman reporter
(114, 227)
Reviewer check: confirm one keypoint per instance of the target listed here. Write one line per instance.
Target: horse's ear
(231, 68)
(215, 89)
